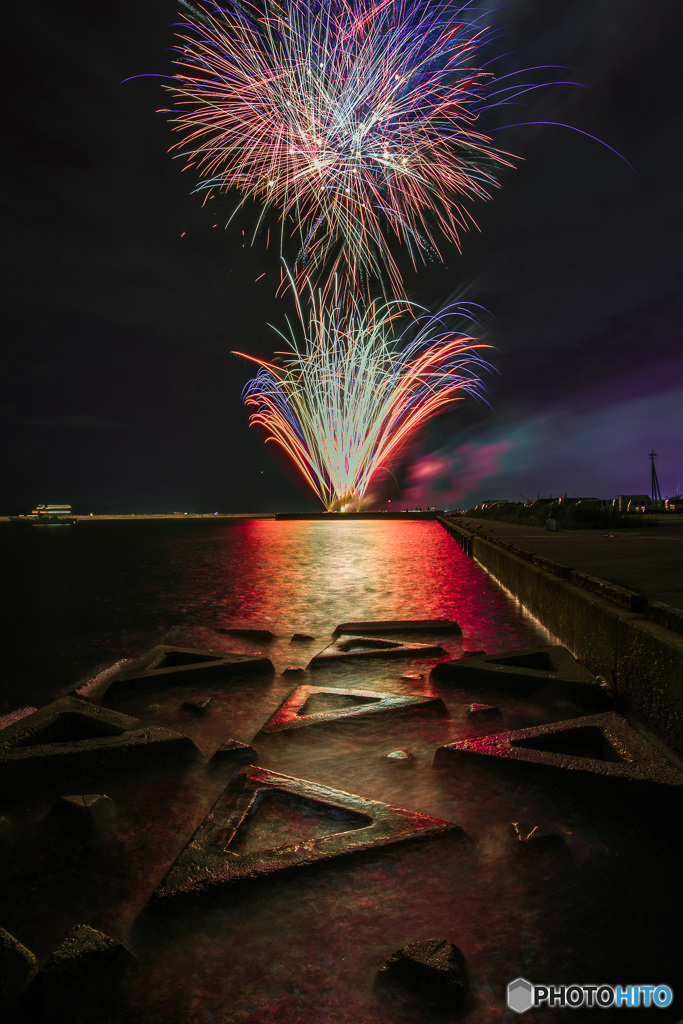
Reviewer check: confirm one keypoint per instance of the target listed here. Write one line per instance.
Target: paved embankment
(648, 559)
(574, 583)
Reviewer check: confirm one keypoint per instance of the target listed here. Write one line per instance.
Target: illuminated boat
(52, 515)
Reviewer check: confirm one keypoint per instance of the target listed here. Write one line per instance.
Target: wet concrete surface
(551, 875)
(540, 843)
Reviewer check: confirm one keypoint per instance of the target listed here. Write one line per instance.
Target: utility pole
(656, 493)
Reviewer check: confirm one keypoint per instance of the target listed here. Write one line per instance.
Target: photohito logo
(522, 995)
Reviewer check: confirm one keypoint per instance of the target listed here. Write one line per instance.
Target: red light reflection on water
(112, 590)
(321, 573)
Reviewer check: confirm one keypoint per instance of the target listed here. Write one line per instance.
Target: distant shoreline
(326, 516)
(175, 516)
(148, 515)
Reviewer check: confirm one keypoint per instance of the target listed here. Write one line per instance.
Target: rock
(301, 638)
(532, 838)
(83, 979)
(473, 654)
(198, 707)
(17, 967)
(484, 712)
(86, 812)
(234, 750)
(293, 670)
(401, 756)
(434, 969)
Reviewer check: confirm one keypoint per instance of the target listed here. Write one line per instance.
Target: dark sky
(123, 300)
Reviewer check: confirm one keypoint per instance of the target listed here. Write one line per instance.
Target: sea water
(304, 948)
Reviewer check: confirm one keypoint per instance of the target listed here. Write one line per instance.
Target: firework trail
(343, 404)
(355, 120)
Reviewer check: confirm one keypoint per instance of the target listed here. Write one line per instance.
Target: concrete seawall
(613, 631)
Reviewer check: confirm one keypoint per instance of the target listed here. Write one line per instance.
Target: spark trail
(355, 120)
(344, 403)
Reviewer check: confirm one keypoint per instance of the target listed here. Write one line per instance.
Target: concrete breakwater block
(260, 635)
(484, 712)
(198, 707)
(17, 967)
(82, 981)
(602, 745)
(298, 710)
(264, 823)
(172, 666)
(526, 671)
(83, 813)
(369, 627)
(434, 969)
(72, 736)
(372, 647)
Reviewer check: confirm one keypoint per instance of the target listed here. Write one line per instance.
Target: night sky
(124, 296)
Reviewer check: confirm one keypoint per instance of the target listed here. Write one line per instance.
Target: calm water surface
(85, 596)
(304, 948)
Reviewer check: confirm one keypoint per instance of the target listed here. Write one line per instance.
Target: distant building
(632, 502)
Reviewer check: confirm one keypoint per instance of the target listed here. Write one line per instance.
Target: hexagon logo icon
(520, 995)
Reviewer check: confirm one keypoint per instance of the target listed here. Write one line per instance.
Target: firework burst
(346, 401)
(355, 120)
